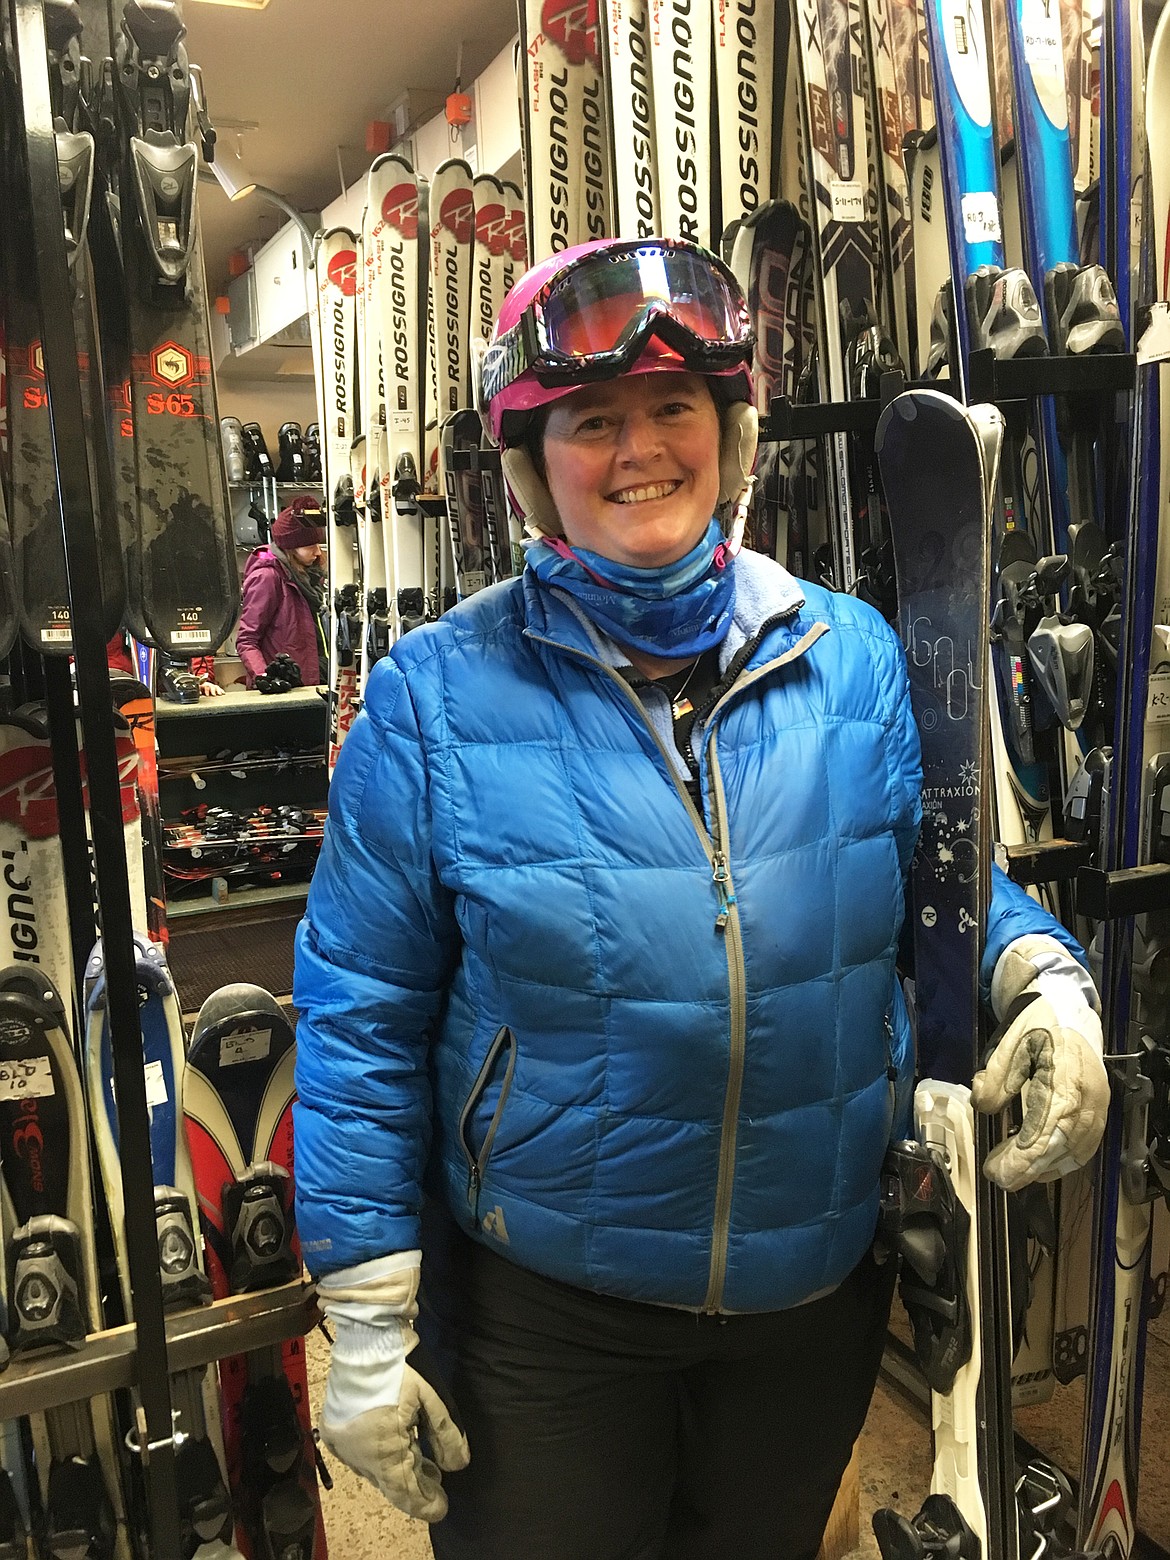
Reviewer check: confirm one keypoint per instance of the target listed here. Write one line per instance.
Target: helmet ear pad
(739, 434)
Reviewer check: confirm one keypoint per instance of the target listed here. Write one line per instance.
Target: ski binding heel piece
(937, 1531)
(183, 1281)
(79, 1520)
(258, 1211)
(924, 1221)
(46, 1284)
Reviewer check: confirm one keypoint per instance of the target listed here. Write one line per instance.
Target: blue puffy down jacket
(649, 1053)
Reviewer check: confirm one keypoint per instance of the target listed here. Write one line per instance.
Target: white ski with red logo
(394, 194)
(332, 329)
(680, 54)
(625, 63)
(566, 136)
(452, 241)
(743, 37)
(372, 406)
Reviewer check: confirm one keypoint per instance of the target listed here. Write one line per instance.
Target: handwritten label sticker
(981, 219)
(246, 1045)
(1158, 701)
(29, 1078)
(847, 201)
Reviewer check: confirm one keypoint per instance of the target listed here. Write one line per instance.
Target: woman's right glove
(382, 1389)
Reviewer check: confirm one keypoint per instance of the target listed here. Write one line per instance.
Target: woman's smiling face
(633, 466)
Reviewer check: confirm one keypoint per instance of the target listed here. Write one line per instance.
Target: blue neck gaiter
(680, 609)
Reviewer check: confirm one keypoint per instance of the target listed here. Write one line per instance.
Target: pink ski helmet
(612, 307)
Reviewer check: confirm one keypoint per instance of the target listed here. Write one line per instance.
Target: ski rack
(108, 1361)
(1003, 381)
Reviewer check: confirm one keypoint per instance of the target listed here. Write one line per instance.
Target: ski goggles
(592, 321)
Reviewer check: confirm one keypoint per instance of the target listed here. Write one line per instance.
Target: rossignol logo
(492, 228)
(686, 137)
(638, 47)
(400, 209)
(457, 215)
(492, 232)
(28, 796)
(564, 158)
(22, 910)
(399, 325)
(454, 336)
(342, 272)
(747, 96)
(574, 26)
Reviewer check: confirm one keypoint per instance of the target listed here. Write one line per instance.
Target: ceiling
(309, 75)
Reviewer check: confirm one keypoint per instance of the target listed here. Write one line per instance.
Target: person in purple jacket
(283, 596)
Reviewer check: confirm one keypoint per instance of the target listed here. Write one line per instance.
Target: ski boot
(232, 433)
(256, 453)
(291, 465)
(312, 452)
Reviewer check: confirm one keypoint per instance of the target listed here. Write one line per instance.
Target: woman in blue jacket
(600, 1029)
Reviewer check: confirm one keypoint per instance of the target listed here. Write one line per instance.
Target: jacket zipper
(478, 1163)
(726, 922)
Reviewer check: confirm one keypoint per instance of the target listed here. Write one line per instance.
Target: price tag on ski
(1158, 703)
(244, 1045)
(847, 201)
(29, 1078)
(981, 218)
(156, 1085)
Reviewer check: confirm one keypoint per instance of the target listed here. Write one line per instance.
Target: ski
(332, 328)
(629, 120)
(206, 1515)
(50, 1257)
(1134, 1015)
(452, 238)
(743, 42)
(368, 458)
(238, 1093)
(835, 143)
(943, 562)
(34, 589)
(563, 123)
(182, 581)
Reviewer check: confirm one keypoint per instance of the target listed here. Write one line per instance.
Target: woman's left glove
(382, 1389)
(1049, 1055)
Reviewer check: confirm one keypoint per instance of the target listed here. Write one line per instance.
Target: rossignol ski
(563, 119)
(452, 240)
(332, 325)
(398, 305)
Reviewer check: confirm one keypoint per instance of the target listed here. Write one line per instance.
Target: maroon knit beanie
(299, 525)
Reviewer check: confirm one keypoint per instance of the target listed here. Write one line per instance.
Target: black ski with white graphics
(182, 581)
(32, 565)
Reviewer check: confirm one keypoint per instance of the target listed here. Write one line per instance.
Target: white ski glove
(382, 1389)
(1049, 1055)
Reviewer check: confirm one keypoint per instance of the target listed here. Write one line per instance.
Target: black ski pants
(602, 1429)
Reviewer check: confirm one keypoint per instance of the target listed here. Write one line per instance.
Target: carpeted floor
(204, 957)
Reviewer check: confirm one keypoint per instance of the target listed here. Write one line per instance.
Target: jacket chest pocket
(479, 1120)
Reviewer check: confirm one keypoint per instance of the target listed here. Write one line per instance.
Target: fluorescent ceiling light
(243, 5)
